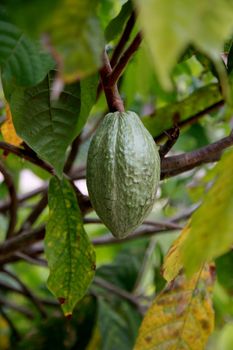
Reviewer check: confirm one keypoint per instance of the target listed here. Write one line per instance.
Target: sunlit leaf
(77, 37)
(8, 129)
(170, 26)
(173, 260)
(181, 316)
(70, 255)
(211, 225)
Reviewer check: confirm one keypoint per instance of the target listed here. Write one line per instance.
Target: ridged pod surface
(123, 172)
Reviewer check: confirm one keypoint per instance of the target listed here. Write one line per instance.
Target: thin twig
(27, 155)
(34, 214)
(123, 61)
(173, 135)
(27, 292)
(100, 282)
(13, 205)
(113, 98)
(123, 40)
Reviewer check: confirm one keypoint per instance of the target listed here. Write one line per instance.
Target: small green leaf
(76, 34)
(70, 255)
(21, 61)
(211, 226)
(170, 26)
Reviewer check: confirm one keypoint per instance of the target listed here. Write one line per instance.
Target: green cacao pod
(123, 172)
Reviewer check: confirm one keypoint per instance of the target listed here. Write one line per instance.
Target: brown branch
(113, 98)
(123, 40)
(4, 205)
(120, 47)
(173, 135)
(175, 165)
(13, 204)
(100, 282)
(72, 155)
(192, 119)
(34, 214)
(27, 155)
(123, 61)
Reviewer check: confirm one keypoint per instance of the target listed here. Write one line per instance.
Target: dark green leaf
(71, 256)
(22, 62)
(125, 269)
(116, 330)
(52, 124)
(224, 270)
(116, 26)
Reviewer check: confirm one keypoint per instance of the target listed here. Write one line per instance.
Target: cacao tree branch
(123, 61)
(100, 282)
(113, 98)
(123, 40)
(193, 119)
(27, 155)
(175, 165)
(13, 203)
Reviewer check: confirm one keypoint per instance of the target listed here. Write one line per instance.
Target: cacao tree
(116, 191)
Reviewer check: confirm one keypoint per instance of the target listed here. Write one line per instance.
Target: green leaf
(116, 331)
(70, 255)
(124, 271)
(211, 226)
(30, 15)
(169, 26)
(76, 34)
(198, 101)
(224, 270)
(116, 25)
(22, 62)
(88, 98)
(51, 124)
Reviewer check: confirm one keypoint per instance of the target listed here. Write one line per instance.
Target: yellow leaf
(181, 316)
(8, 129)
(173, 262)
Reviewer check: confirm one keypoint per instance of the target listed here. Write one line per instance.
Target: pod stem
(113, 97)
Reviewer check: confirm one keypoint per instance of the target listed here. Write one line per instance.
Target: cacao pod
(123, 172)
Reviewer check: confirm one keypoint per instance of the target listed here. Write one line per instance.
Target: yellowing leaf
(169, 26)
(181, 316)
(173, 260)
(211, 226)
(70, 254)
(8, 129)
